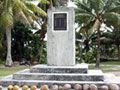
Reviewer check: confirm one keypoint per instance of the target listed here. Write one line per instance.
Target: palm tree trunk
(86, 56)
(9, 61)
(118, 52)
(81, 52)
(98, 51)
(97, 26)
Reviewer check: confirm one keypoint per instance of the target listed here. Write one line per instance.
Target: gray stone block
(79, 68)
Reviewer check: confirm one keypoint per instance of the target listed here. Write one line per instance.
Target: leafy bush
(27, 45)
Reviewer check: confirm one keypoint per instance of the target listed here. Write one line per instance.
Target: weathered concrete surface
(9, 81)
(92, 75)
(61, 43)
(60, 73)
(78, 68)
(28, 78)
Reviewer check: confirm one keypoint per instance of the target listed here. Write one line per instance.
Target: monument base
(50, 75)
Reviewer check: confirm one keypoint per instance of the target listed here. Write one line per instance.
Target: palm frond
(83, 17)
(20, 16)
(87, 28)
(83, 6)
(6, 20)
(109, 4)
(112, 18)
(79, 10)
(97, 5)
(36, 9)
(24, 11)
(115, 9)
(1, 7)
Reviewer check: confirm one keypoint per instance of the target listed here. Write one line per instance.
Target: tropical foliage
(20, 17)
(26, 45)
(16, 10)
(91, 14)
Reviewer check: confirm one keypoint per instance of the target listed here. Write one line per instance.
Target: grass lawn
(111, 62)
(109, 66)
(4, 71)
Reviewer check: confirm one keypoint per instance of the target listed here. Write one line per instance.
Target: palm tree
(97, 12)
(88, 38)
(16, 10)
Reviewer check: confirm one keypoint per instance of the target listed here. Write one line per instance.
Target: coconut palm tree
(97, 12)
(16, 10)
(87, 39)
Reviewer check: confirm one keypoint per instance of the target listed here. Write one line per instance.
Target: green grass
(111, 62)
(108, 66)
(4, 71)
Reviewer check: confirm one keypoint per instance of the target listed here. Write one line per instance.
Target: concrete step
(38, 83)
(9, 81)
(93, 75)
(79, 68)
(108, 78)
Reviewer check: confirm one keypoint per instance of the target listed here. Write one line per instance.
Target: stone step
(38, 83)
(79, 68)
(93, 75)
(9, 81)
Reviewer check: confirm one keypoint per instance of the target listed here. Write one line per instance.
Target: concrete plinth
(61, 43)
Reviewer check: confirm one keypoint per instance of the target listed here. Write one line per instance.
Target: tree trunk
(9, 61)
(98, 51)
(86, 56)
(118, 52)
(81, 52)
(97, 28)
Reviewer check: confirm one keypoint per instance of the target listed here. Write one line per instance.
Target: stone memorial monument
(61, 67)
(61, 37)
